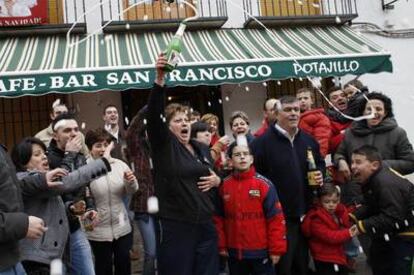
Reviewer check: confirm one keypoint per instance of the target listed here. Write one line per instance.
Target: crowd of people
(255, 203)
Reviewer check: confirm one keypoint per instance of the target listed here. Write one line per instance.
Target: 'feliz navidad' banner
(35, 66)
(15, 13)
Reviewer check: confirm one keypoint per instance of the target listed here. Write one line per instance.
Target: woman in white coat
(109, 238)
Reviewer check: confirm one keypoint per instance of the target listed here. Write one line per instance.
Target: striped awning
(38, 65)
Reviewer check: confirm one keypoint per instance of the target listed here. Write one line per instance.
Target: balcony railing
(61, 14)
(156, 15)
(299, 12)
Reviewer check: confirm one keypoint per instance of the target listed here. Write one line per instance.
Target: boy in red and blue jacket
(250, 221)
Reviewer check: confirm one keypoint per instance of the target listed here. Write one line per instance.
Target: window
(155, 10)
(289, 8)
(24, 116)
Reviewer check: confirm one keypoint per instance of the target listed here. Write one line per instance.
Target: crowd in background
(304, 194)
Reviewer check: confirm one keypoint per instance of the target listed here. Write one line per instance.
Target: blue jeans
(15, 270)
(81, 254)
(146, 226)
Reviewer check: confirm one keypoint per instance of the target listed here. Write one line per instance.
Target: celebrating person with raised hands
(187, 238)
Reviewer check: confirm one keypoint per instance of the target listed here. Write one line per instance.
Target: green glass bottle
(174, 49)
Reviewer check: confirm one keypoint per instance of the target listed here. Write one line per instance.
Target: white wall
(92, 12)
(235, 14)
(399, 85)
(250, 102)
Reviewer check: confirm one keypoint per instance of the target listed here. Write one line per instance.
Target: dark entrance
(205, 99)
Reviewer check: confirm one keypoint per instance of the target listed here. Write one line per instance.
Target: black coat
(176, 170)
(285, 164)
(388, 206)
(13, 222)
(69, 161)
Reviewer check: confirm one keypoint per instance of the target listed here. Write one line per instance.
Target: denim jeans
(81, 254)
(15, 270)
(146, 226)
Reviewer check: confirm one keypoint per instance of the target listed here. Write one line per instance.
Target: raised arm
(157, 128)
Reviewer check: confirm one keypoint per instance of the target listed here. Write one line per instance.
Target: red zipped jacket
(250, 221)
(326, 236)
(315, 123)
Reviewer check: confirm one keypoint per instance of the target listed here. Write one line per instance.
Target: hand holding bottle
(89, 220)
(78, 208)
(318, 177)
(159, 66)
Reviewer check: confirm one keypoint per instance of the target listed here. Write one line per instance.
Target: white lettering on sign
(74, 81)
(322, 67)
(206, 74)
(127, 78)
(17, 84)
(220, 73)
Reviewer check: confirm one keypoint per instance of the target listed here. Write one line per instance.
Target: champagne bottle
(174, 49)
(312, 169)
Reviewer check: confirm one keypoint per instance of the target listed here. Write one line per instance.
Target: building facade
(93, 53)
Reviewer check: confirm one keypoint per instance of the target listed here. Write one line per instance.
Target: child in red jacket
(314, 121)
(328, 228)
(250, 221)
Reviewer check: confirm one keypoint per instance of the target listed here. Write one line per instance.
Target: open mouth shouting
(342, 104)
(45, 165)
(185, 134)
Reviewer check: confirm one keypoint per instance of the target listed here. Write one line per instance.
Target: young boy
(250, 222)
(314, 121)
(386, 214)
(328, 228)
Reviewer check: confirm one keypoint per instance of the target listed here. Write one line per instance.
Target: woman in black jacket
(187, 239)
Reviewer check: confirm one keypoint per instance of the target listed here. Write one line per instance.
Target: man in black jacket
(64, 152)
(14, 224)
(280, 155)
(387, 213)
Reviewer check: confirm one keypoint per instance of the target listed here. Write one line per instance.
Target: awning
(39, 65)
